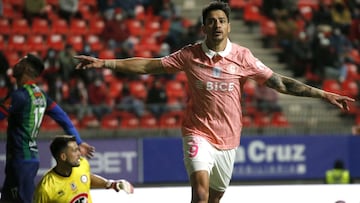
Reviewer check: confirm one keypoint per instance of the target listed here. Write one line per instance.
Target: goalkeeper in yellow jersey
(70, 180)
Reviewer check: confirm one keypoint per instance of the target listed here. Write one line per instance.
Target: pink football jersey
(215, 81)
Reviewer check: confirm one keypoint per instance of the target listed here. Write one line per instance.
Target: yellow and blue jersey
(54, 188)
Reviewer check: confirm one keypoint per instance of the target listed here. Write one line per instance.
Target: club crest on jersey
(216, 71)
(81, 198)
(231, 69)
(83, 178)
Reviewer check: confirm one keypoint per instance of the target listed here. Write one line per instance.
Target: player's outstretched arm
(101, 182)
(134, 65)
(294, 87)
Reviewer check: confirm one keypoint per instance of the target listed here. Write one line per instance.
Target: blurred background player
(70, 180)
(338, 174)
(25, 109)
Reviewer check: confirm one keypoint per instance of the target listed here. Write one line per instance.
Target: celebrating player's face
(216, 26)
(73, 154)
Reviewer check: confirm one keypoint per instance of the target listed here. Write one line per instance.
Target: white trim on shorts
(200, 155)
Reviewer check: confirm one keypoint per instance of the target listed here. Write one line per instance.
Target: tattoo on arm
(291, 86)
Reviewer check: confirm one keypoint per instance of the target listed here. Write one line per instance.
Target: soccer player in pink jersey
(216, 70)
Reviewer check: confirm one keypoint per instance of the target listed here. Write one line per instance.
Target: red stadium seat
(106, 54)
(262, 120)
(89, 121)
(78, 27)
(60, 26)
(148, 121)
(247, 121)
(96, 26)
(350, 88)
(331, 85)
(50, 124)
(130, 123)
(95, 42)
(171, 119)
(237, 4)
(76, 41)
(55, 41)
(352, 72)
(135, 27)
(252, 13)
(13, 57)
(175, 90)
(20, 26)
(5, 28)
(110, 122)
(40, 26)
(18, 43)
(36, 43)
(138, 89)
(10, 12)
(268, 27)
(279, 120)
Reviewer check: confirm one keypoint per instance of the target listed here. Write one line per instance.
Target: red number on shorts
(193, 150)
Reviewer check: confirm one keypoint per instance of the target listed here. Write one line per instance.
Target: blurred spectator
(52, 66)
(341, 16)
(97, 92)
(322, 16)
(270, 8)
(78, 99)
(4, 90)
(67, 62)
(4, 67)
(338, 174)
(177, 33)
(69, 9)
(56, 90)
(115, 30)
(301, 55)
(326, 61)
(132, 104)
(163, 8)
(35, 8)
(156, 98)
(267, 99)
(286, 32)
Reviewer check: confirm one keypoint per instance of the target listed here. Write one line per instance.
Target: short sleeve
(176, 61)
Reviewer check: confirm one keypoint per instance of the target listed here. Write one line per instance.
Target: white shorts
(200, 155)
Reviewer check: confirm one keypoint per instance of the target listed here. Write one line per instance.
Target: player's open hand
(339, 100)
(122, 184)
(87, 150)
(86, 62)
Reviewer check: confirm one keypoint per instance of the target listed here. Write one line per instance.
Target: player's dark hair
(216, 5)
(59, 143)
(36, 64)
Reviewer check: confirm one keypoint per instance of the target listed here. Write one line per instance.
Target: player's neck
(216, 46)
(23, 80)
(62, 171)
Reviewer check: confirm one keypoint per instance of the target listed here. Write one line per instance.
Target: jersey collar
(210, 53)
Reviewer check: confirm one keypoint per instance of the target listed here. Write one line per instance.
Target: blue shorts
(19, 182)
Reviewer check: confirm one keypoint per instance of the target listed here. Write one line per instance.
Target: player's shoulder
(239, 48)
(48, 178)
(192, 47)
